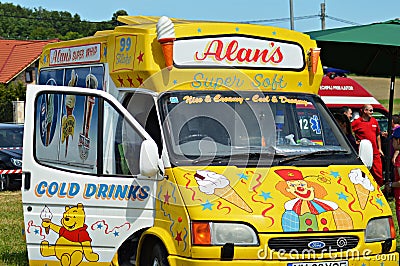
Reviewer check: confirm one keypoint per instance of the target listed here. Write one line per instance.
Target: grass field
(396, 105)
(12, 243)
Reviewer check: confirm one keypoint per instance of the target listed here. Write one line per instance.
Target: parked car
(11, 136)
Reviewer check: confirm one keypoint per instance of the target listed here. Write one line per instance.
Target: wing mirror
(365, 152)
(150, 164)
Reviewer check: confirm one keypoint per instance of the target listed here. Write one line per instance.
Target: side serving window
(66, 131)
(86, 134)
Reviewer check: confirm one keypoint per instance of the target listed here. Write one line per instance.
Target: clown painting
(307, 210)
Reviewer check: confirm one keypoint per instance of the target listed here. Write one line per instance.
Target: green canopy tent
(372, 49)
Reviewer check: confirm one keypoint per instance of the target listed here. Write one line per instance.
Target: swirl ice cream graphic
(49, 116)
(166, 37)
(68, 121)
(362, 185)
(46, 216)
(84, 140)
(212, 183)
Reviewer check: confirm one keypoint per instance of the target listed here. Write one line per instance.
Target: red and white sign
(8, 172)
(10, 148)
(75, 55)
(239, 52)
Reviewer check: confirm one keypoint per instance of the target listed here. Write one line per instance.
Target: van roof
(227, 53)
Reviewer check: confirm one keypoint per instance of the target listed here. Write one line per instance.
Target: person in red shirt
(366, 127)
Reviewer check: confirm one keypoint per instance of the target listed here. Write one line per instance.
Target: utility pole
(323, 16)
(291, 15)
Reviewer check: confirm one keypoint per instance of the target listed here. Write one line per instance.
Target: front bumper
(390, 259)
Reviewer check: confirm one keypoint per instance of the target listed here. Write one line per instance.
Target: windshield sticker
(174, 99)
(315, 124)
(256, 98)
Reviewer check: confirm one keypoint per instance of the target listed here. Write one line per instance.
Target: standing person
(395, 124)
(348, 112)
(366, 127)
(345, 126)
(396, 162)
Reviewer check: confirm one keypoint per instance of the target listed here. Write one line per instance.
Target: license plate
(321, 263)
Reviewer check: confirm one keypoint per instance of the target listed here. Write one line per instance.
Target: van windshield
(206, 125)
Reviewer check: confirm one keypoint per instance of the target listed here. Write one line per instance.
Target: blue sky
(356, 11)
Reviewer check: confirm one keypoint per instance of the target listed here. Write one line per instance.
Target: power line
(278, 19)
(343, 21)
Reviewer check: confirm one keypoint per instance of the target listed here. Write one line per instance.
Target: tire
(159, 256)
(4, 182)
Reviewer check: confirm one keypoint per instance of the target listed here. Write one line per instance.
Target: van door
(83, 191)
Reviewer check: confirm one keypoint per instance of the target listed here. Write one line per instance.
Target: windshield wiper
(220, 158)
(304, 155)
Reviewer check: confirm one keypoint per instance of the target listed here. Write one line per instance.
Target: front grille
(300, 244)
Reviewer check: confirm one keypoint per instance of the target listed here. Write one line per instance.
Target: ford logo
(316, 244)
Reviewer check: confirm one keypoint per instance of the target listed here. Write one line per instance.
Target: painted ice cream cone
(166, 37)
(212, 183)
(229, 194)
(362, 185)
(47, 229)
(362, 194)
(46, 216)
(342, 219)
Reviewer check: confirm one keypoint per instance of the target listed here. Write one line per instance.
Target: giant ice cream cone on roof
(212, 183)
(166, 37)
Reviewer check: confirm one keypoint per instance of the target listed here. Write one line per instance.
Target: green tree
(116, 15)
(17, 22)
(12, 92)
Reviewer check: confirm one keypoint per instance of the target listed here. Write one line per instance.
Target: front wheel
(159, 256)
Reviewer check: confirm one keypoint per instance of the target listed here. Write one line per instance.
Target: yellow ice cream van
(173, 142)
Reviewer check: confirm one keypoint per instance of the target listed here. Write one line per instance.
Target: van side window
(121, 144)
(143, 109)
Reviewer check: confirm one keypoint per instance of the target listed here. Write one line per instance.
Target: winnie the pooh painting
(74, 242)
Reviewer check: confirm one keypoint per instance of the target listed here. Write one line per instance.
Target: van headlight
(218, 234)
(380, 229)
(16, 162)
